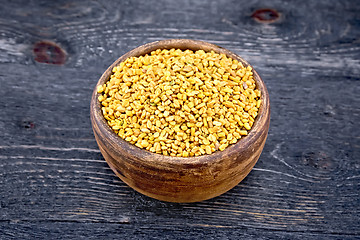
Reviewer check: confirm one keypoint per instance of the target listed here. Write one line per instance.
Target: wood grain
(54, 181)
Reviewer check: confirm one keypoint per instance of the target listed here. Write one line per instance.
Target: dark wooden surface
(55, 184)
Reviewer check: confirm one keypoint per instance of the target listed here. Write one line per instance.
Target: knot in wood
(49, 53)
(266, 15)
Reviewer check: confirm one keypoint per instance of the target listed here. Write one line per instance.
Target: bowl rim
(234, 149)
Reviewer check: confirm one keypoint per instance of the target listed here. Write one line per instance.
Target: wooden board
(54, 183)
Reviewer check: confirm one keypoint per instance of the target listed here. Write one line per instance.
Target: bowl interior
(260, 122)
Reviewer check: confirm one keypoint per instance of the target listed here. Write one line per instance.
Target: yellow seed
(157, 100)
(206, 142)
(186, 108)
(229, 104)
(258, 103)
(217, 123)
(149, 124)
(192, 131)
(245, 115)
(144, 143)
(100, 89)
(236, 135)
(145, 130)
(205, 122)
(221, 134)
(243, 132)
(223, 141)
(142, 135)
(208, 149)
(201, 105)
(101, 98)
(223, 146)
(194, 104)
(212, 138)
(191, 117)
(166, 113)
(157, 147)
(227, 90)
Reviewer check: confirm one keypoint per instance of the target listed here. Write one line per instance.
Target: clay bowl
(179, 179)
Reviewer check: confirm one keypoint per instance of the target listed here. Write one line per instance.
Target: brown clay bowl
(179, 179)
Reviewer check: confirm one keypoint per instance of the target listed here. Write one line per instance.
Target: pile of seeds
(180, 103)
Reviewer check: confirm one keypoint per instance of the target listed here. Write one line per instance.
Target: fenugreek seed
(243, 132)
(157, 147)
(221, 135)
(217, 144)
(138, 145)
(101, 98)
(116, 127)
(206, 142)
(161, 108)
(212, 138)
(258, 103)
(245, 86)
(199, 99)
(157, 100)
(245, 115)
(144, 143)
(222, 147)
(191, 118)
(224, 141)
(166, 113)
(145, 130)
(247, 126)
(236, 135)
(192, 131)
(217, 123)
(149, 124)
(100, 89)
(186, 108)
(215, 129)
(170, 118)
(248, 83)
(208, 150)
(198, 124)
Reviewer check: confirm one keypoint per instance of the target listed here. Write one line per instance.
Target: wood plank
(54, 180)
(96, 230)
